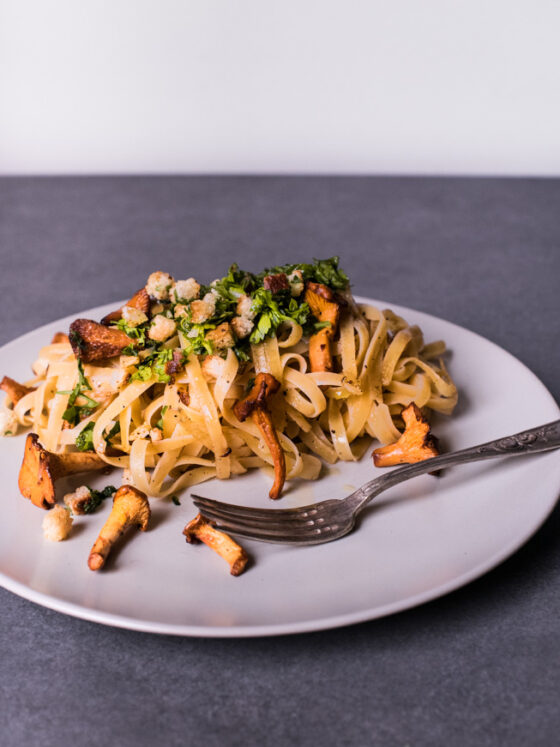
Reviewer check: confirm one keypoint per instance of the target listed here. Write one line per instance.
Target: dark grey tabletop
(478, 667)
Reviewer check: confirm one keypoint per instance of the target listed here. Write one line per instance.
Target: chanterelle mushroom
(130, 508)
(200, 529)
(414, 445)
(140, 300)
(41, 468)
(325, 308)
(254, 404)
(14, 390)
(92, 341)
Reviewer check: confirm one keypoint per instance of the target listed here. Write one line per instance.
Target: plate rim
(317, 624)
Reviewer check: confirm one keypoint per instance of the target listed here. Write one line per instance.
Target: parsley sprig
(194, 340)
(75, 412)
(324, 271)
(272, 311)
(153, 366)
(96, 498)
(84, 439)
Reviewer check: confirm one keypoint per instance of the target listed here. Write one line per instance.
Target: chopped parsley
(115, 430)
(137, 333)
(194, 340)
(159, 423)
(76, 340)
(270, 311)
(84, 440)
(325, 271)
(321, 325)
(74, 412)
(96, 498)
(153, 366)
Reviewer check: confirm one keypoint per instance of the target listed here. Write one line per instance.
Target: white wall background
(424, 86)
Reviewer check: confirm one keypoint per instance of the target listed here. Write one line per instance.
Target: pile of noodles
(384, 365)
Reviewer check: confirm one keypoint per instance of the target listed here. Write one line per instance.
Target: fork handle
(543, 438)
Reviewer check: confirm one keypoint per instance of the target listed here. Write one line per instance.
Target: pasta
(165, 407)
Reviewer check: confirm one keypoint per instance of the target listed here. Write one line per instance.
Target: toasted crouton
(221, 337)
(204, 309)
(242, 326)
(159, 284)
(185, 290)
(57, 524)
(161, 328)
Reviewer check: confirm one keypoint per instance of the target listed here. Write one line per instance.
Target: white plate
(418, 541)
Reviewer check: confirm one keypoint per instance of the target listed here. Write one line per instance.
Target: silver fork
(333, 518)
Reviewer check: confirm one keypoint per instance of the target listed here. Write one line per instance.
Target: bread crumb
(158, 285)
(57, 524)
(75, 501)
(8, 423)
(244, 309)
(221, 337)
(204, 309)
(185, 290)
(161, 328)
(242, 326)
(133, 317)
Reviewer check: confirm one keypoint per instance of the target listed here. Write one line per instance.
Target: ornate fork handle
(543, 438)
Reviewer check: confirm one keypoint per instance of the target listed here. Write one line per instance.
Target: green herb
(160, 361)
(327, 272)
(137, 333)
(321, 325)
(143, 372)
(242, 354)
(154, 366)
(236, 283)
(159, 423)
(175, 500)
(77, 341)
(272, 311)
(84, 440)
(115, 430)
(324, 271)
(74, 413)
(96, 498)
(194, 338)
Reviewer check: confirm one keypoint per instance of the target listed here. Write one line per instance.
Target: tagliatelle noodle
(294, 336)
(131, 392)
(225, 379)
(198, 390)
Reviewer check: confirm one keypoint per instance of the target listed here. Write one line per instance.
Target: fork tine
(308, 525)
(263, 513)
(286, 539)
(308, 537)
(269, 528)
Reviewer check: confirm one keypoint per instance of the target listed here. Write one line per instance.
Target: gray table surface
(478, 667)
